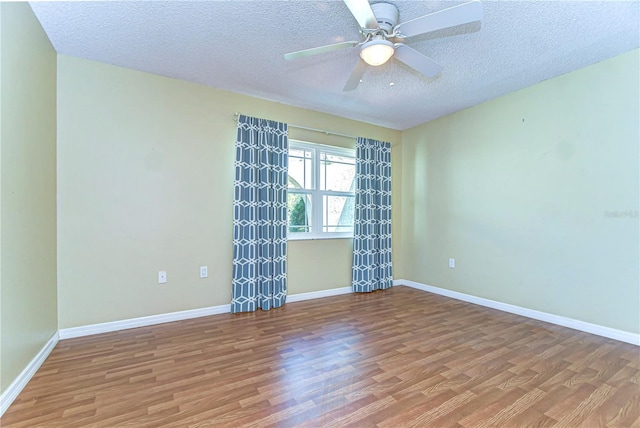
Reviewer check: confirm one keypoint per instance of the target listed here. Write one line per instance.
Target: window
(321, 197)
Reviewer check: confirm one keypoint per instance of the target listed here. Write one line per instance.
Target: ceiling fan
(384, 37)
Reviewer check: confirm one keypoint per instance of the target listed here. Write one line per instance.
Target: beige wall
(145, 183)
(519, 190)
(28, 189)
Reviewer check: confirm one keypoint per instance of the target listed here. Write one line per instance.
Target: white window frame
(316, 193)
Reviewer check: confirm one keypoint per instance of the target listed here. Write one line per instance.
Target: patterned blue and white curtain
(260, 215)
(372, 268)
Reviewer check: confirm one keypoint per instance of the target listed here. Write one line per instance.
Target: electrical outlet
(204, 272)
(452, 263)
(162, 277)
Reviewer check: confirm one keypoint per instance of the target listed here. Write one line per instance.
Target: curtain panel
(372, 268)
(260, 215)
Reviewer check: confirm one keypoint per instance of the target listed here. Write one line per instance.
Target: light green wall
(519, 191)
(145, 183)
(28, 310)
(2, 388)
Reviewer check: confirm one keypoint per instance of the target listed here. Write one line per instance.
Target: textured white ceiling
(239, 46)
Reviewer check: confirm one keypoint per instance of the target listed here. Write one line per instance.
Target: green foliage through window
(298, 221)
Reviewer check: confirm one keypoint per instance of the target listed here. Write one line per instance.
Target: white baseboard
(318, 294)
(106, 327)
(611, 333)
(11, 393)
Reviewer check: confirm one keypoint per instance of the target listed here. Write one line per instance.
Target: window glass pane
(337, 173)
(321, 185)
(337, 213)
(300, 169)
(299, 212)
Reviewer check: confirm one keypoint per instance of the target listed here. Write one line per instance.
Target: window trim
(317, 194)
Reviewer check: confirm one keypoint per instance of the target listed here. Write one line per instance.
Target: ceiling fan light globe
(377, 52)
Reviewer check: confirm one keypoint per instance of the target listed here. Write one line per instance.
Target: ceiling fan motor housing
(386, 14)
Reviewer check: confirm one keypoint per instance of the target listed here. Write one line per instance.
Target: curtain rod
(337, 134)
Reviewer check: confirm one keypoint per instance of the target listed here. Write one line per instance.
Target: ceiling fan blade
(361, 10)
(457, 15)
(320, 50)
(356, 75)
(417, 61)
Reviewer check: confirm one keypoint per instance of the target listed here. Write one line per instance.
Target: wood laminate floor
(396, 358)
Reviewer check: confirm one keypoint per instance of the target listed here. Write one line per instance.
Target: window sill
(316, 238)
